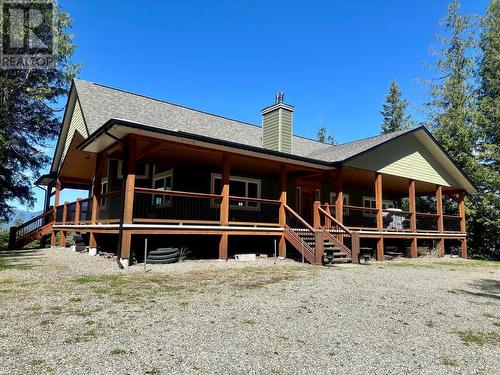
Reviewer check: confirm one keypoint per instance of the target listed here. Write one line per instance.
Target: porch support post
(380, 223)
(355, 247)
(128, 200)
(56, 203)
(461, 210)
(413, 217)
(63, 234)
(78, 204)
(224, 206)
(339, 198)
(318, 248)
(95, 202)
(440, 226)
(282, 213)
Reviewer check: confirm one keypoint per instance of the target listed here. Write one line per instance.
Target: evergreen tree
(394, 111)
(453, 108)
(323, 136)
(28, 119)
(487, 201)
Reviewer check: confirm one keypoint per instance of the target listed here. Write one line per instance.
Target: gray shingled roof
(101, 103)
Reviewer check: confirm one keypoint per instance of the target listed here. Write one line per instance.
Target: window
(141, 171)
(104, 190)
(371, 203)
(162, 181)
(345, 201)
(238, 187)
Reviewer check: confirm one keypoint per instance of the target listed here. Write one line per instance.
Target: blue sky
(333, 59)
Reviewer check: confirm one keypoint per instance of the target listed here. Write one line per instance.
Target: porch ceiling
(78, 166)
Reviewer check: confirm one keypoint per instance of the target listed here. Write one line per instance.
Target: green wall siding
(405, 157)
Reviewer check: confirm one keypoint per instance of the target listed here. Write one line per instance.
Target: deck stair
(321, 245)
(33, 229)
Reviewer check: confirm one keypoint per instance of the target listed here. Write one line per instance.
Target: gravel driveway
(69, 313)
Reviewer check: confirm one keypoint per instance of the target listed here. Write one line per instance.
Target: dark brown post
(128, 202)
(12, 238)
(63, 234)
(339, 199)
(440, 226)
(380, 223)
(56, 203)
(461, 210)
(355, 247)
(413, 217)
(282, 213)
(224, 206)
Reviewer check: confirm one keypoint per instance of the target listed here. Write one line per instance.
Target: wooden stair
(33, 229)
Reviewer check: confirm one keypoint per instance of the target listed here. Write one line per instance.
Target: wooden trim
(316, 217)
(180, 222)
(253, 224)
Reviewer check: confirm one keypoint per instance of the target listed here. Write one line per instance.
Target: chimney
(277, 125)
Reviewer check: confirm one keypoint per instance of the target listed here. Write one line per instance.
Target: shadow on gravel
(16, 259)
(488, 288)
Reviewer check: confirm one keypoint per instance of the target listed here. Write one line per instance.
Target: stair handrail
(299, 218)
(338, 223)
(33, 220)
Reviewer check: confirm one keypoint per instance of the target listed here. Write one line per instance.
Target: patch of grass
(117, 351)
(430, 324)
(153, 371)
(56, 310)
(3, 264)
(252, 322)
(488, 315)
(183, 303)
(36, 362)
(452, 291)
(496, 324)
(75, 299)
(447, 361)
(478, 338)
(46, 322)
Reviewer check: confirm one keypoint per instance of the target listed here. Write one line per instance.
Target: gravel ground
(69, 313)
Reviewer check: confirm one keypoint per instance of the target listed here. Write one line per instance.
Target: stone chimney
(277, 125)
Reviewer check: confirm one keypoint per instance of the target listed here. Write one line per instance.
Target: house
(180, 176)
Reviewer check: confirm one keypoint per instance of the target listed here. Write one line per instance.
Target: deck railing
(451, 223)
(85, 211)
(110, 207)
(151, 205)
(427, 221)
(253, 211)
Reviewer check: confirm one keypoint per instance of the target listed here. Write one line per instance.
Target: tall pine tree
(488, 200)
(453, 108)
(394, 111)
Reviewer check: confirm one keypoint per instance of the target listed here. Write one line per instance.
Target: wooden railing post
(318, 248)
(328, 222)
(78, 204)
(224, 207)
(63, 234)
(282, 213)
(380, 222)
(413, 217)
(12, 238)
(316, 217)
(461, 210)
(440, 224)
(93, 219)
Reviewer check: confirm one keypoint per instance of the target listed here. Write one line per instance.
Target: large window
(345, 201)
(162, 181)
(370, 202)
(238, 187)
(141, 171)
